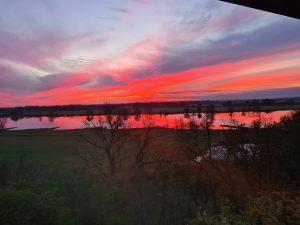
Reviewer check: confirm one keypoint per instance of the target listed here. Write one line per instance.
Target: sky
(56, 52)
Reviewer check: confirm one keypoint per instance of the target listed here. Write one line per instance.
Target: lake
(168, 121)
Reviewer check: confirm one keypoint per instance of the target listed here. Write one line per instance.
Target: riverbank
(137, 121)
(148, 108)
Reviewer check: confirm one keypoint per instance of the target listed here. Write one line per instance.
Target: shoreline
(160, 110)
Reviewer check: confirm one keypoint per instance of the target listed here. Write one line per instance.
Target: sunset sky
(82, 52)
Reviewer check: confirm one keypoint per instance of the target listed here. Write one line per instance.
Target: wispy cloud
(159, 50)
(119, 10)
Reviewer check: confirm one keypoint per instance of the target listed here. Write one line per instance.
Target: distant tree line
(247, 105)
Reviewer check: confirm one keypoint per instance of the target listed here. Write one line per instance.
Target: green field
(58, 145)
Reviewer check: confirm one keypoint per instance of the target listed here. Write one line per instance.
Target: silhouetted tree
(137, 114)
(143, 140)
(109, 135)
(207, 121)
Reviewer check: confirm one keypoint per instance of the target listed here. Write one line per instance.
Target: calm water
(170, 121)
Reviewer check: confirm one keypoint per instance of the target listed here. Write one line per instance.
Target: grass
(60, 145)
(55, 151)
(42, 146)
(138, 197)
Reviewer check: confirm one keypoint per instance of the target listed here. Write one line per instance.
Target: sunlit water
(168, 121)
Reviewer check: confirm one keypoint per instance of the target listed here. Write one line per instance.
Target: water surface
(168, 121)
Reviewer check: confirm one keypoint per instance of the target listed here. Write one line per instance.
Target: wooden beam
(289, 8)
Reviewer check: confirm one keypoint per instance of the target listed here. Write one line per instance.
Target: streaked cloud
(124, 51)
